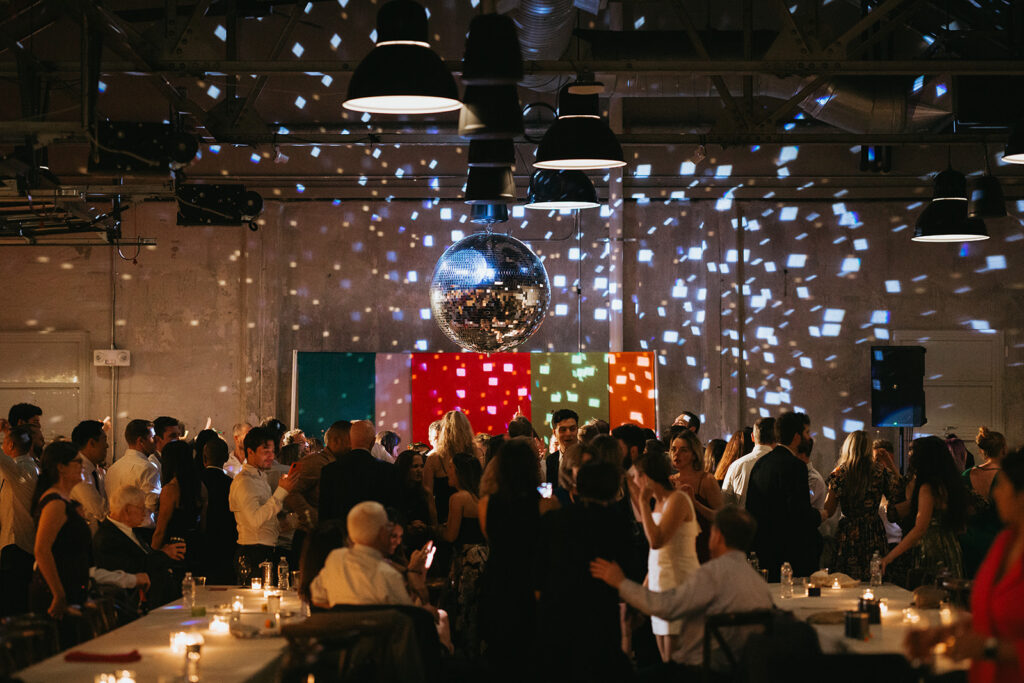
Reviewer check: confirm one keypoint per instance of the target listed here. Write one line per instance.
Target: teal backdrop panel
(333, 386)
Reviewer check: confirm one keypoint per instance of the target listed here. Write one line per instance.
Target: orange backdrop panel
(632, 394)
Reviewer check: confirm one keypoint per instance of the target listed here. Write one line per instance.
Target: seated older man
(361, 574)
(116, 547)
(725, 584)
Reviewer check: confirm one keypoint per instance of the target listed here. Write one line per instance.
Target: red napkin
(125, 658)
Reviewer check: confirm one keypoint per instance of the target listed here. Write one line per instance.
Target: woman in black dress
(415, 504)
(180, 502)
(462, 530)
(510, 519)
(63, 546)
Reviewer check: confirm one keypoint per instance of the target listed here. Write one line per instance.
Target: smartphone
(294, 469)
(545, 489)
(430, 556)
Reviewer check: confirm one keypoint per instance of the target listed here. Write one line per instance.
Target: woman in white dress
(671, 529)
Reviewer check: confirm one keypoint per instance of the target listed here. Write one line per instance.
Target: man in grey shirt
(723, 585)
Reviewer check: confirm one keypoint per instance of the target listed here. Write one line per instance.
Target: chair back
(30, 638)
(714, 624)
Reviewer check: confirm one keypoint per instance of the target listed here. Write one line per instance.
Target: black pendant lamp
(492, 54)
(987, 198)
(561, 190)
(1014, 152)
(945, 218)
(489, 185)
(402, 75)
(579, 139)
(493, 153)
(489, 214)
(490, 112)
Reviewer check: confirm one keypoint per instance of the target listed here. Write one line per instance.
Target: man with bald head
(356, 475)
(307, 489)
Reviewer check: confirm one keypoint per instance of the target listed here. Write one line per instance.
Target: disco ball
(489, 292)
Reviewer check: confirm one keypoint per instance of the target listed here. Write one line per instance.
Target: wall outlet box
(112, 357)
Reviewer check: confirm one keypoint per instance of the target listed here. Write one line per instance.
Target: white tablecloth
(885, 638)
(224, 657)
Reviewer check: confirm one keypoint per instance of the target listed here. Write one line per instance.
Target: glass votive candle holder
(193, 654)
(236, 609)
(257, 583)
(181, 640)
(883, 607)
(857, 625)
(871, 607)
(274, 602)
(911, 616)
(219, 625)
(124, 676)
(836, 585)
(813, 591)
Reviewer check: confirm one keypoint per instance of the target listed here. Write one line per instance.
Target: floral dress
(860, 531)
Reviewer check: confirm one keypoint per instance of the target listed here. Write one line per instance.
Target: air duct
(545, 29)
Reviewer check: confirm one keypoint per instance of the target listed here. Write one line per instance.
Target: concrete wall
(211, 315)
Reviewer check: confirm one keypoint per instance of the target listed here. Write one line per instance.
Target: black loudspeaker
(897, 386)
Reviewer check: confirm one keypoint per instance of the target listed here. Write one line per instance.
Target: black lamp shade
(492, 52)
(489, 214)
(494, 153)
(402, 75)
(987, 198)
(561, 190)
(947, 221)
(579, 143)
(1014, 152)
(490, 112)
(950, 184)
(402, 20)
(572, 103)
(402, 78)
(490, 186)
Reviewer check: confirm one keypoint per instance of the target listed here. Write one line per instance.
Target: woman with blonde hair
(983, 523)
(858, 484)
(439, 477)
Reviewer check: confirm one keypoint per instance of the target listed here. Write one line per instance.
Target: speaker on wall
(897, 386)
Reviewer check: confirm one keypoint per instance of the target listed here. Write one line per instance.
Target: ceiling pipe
(545, 29)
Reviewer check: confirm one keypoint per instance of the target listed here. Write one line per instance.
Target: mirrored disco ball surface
(489, 292)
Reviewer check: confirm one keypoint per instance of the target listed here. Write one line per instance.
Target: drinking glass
(800, 587)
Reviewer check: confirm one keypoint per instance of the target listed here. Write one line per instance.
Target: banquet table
(885, 638)
(224, 657)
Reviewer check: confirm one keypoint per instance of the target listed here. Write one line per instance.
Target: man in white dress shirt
(725, 584)
(361, 575)
(737, 477)
(253, 501)
(134, 468)
(18, 474)
(165, 430)
(237, 458)
(91, 441)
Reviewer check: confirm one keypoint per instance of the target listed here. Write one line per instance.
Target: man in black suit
(115, 546)
(218, 522)
(356, 476)
(564, 426)
(779, 498)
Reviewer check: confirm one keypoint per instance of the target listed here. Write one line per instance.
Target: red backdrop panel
(487, 388)
(632, 394)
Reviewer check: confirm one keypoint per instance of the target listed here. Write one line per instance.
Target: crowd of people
(580, 552)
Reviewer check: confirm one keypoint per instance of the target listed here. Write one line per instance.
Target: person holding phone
(180, 501)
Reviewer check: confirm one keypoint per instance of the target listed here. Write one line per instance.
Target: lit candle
(835, 584)
(868, 595)
(236, 609)
(883, 606)
(220, 626)
(946, 615)
(124, 676)
(181, 640)
(910, 616)
(257, 583)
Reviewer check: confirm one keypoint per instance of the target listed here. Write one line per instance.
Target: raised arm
(169, 497)
(675, 513)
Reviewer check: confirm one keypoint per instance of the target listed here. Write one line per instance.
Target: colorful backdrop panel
(632, 389)
(394, 394)
(333, 386)
(488, 388)
(578, 381)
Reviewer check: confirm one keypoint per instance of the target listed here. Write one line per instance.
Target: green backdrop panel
(334, 386)
(568, 380)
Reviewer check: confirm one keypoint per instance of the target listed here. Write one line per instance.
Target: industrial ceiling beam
(200, 68)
